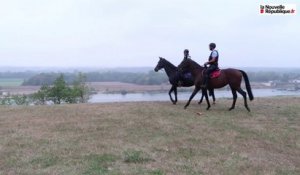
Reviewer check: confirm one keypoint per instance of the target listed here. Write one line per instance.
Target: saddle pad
(215, 74)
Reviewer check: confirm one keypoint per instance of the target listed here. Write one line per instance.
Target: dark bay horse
(231, 77)
(174, 78)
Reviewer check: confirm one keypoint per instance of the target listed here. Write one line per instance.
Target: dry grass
(151, 138)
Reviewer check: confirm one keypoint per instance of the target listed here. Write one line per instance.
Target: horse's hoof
(214, 103)
(207, 108)
(230, 109)
(185, 107)
(174, 103)
(199, 103)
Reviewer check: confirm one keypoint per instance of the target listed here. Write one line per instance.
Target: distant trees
(19, 75)
(48, 78)
(272, 76)
(141, 78)
(62, 92)
(150, 78)
(59, 92)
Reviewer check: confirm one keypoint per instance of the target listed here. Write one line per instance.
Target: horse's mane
(169, 64)
(194, 63)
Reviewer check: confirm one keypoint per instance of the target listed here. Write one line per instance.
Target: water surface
(133, 97)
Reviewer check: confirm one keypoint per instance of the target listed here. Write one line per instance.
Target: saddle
(215, 74)
(188, 75)
(185, 78)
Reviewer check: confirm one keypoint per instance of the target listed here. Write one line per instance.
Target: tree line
(19, 75)
(273, 76)
(59, 92)
(150, 78)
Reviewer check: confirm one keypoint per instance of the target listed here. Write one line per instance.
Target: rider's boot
(205, 81)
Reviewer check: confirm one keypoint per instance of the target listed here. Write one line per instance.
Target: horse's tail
(248, 86)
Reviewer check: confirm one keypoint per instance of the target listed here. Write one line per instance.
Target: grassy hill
(152, 138)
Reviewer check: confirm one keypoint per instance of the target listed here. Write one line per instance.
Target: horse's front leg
(170, 94)
(175, 92)
(191, 97)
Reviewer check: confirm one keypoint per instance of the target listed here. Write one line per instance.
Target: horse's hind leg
(170, 91)
(244, 94)
(211, 93)
(201, 99)
(213, 96)
(191, 97)
(234, 99)
(204, 91)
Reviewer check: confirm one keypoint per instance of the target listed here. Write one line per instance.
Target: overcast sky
(132, 33)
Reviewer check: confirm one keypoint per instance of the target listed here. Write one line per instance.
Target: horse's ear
(160, 58)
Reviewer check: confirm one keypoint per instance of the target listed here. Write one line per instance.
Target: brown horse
(231, 77)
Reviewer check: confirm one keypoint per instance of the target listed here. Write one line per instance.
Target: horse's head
(160, 64)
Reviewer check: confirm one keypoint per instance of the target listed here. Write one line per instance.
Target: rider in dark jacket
(212, 62)
(185, 75)
(186, 54)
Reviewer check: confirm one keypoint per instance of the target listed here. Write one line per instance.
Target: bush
(42, 95)
(6, 101)
(62, 92)
(20, 99)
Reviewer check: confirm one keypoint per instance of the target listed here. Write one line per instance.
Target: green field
(152, 138)
(10, 82)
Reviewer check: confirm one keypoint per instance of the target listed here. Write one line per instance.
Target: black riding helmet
(186, 51)
(212, 45)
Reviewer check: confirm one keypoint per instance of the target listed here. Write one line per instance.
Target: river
(131, 97)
